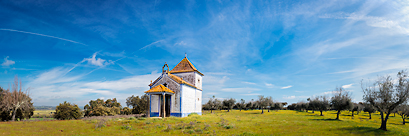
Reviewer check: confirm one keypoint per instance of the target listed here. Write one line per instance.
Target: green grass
(284, 122)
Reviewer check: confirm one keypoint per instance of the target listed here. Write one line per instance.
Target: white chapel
(177, 92)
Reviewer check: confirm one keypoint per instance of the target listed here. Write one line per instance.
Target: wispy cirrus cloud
(286, 87)
(12, 30)
(7, 62)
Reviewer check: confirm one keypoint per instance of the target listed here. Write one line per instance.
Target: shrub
(66, 111)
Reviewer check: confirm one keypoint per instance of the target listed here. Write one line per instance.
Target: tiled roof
(159, 88)
(184, 66)
(180, 80)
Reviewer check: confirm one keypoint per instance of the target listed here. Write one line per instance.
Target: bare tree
(15, 99)
(341, 101)
(403, 111)
(385, 96)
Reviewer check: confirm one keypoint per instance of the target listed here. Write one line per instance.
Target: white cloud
(269, 85)
(286, 87)
(55, 86)
(289, 97)
(182, 43)
(295, 97)
(347, 86)
(97, 61)
(7, 62)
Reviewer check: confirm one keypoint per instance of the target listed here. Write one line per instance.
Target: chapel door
(167, 103)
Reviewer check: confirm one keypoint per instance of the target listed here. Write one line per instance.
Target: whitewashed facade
(180, 93)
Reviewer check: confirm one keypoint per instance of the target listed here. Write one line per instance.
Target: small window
(166, 85)
(198, 80)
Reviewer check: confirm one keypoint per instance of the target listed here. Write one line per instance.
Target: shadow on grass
(364, 130)
(326, 119)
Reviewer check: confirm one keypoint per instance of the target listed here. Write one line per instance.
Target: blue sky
(78, 51)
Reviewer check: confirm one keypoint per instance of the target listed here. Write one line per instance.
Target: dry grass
(220, 123)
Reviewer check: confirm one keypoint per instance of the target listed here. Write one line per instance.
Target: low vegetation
(235, 122)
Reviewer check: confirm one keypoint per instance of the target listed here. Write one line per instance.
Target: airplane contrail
(12, 30)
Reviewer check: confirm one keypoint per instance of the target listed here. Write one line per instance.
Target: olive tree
(139, 104)
(387, 94)
(324, 104)
(357, 107)
(263, 102)
(241, 105)
(229, 103)
(341, 101)
(369, 108)
(403, 111)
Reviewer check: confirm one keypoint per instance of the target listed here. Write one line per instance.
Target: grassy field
(284, 122)
(42, 115)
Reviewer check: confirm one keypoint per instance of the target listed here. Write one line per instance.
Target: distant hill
(44, 107)
(51, 107)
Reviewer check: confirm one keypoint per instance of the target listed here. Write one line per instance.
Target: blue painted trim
(154, 114)
(176, 114)
(160, 78)
(150, 104)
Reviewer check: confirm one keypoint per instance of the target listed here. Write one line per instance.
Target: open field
(42, 115)
(284, 122)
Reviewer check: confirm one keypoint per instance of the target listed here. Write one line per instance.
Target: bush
(66, 111)
(127, 111)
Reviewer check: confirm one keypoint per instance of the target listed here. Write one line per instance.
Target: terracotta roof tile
(159, 88)
(184, 66)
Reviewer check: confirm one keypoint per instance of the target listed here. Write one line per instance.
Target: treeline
(99, 107)
(386, 96)
(228, 104)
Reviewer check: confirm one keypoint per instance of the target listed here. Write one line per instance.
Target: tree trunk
(240, 109)
(384, 120)
(228, 110)
(370, 117)
(306, 110)
(211, 111)
(14, 115)
(262, 110)
(352, 113)
(403, 121)
(312, 111)
(268, 109)
(338, 114)
(321, 113)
